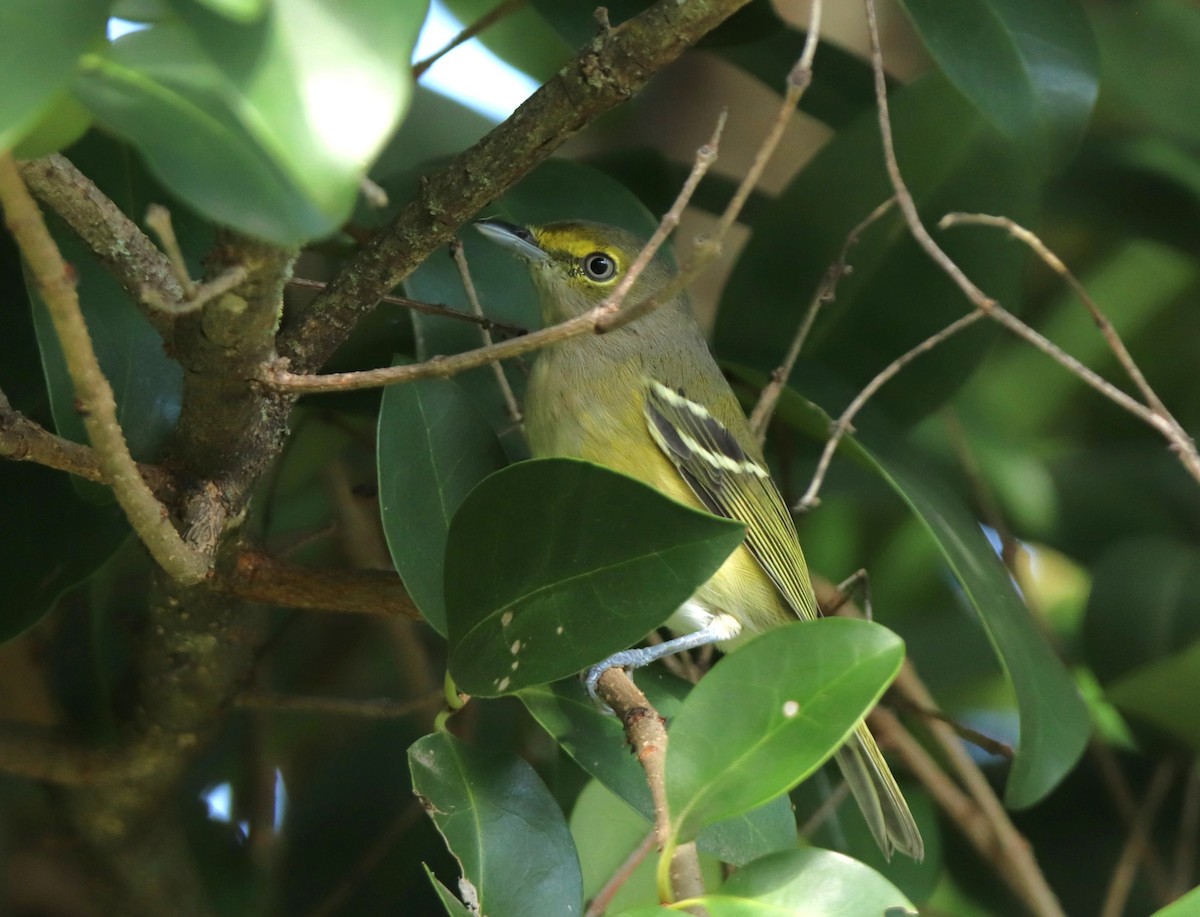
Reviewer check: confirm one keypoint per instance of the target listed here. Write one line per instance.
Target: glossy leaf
(815, 883)
(595, 740)
(1054, 725)
(554, 564)
(771, 713)
(454, 907)
(895, 296)
(433, 448)
(1031, 66)
(248, 122)
(502, 825)
(40, 43)
(239, 10)
(522, 37)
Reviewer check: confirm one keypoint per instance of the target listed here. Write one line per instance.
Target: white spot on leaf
(790, 708)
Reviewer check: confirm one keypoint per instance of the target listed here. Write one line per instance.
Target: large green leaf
(433, 448)
(249, 122)
(1164, 693)
(799, 691)
(895, 296)
(521, 38)
(595, 740)
(1030, 66)
(554, 564)
(502, 825)
(40, 43)
(1186, 906)
(814, 883)
(1054, 724)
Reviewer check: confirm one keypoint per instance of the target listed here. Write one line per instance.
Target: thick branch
(613, 67)
(116, 240)
(261, 578)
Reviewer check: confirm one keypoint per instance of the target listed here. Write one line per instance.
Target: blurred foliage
(1078, 118)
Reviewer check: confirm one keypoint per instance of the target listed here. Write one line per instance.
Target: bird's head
(576, 264)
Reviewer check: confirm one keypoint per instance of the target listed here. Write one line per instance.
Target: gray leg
(714, 632)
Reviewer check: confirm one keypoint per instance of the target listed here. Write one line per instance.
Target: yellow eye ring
(599, 266)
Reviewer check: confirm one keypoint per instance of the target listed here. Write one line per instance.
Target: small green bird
(649, 400)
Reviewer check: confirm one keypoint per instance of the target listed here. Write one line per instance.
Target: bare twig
(460, 261)
(843, 424)
(416, 305)
(118, 243)
(55, 282)
(596, 320)
(760, 417)
(158, 218)
(1189, 827)
(620, 876)
(201, 294)
(647, 735)
(1121, 882)
(825, 810)
(491, 17)
(22, 440)
(1164, 421)
(378, 709)
(974, 736)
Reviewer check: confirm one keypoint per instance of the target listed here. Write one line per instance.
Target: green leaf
(1143, 606)
(798, 692)
(1054, 723)
(62, 123)
(1186, 906)
(521, 38)
(1030, 66)
(554, 564)
(249, 123)
(454, 907)
(814, 883)
(1164, 693)
(40, 43)
(502, 824)
(595, 740)
(238, 10)
(895, 296)
(433, 448)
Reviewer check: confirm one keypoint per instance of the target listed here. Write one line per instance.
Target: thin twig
(378, 709)
(760, 417)
(158, 218)
(964, 732)
(1176, 436)
(595, 320)
(489, 18)
(22, 440)
(843, 424)
(416, 305)
(1189, 827)
(55, 281)
(460, 260)
(620, 876)
(200, 295)
(646, 732)
(1123, 873)
(825, 810)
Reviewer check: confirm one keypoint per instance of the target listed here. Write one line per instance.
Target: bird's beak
(517, 239)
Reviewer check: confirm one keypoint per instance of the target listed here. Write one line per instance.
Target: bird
(647, 399)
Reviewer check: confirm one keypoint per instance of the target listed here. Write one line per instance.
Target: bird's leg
(718, 629)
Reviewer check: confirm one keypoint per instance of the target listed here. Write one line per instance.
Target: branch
(646, 732)
(55, 282)
(1164, 421)
(116, 241)
(491, 17)
(258, 577)
(22, 440)
(615, 65)
(1121, 879)
(760, 417)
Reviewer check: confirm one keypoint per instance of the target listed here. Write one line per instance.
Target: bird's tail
(878, 796)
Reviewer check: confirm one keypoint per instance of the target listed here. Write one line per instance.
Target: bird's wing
(731, 484)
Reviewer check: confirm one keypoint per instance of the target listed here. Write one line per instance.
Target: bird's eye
(599, 266)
